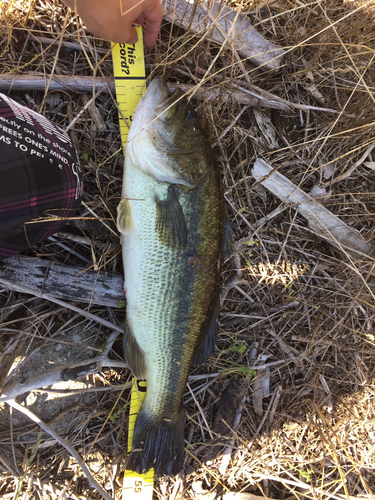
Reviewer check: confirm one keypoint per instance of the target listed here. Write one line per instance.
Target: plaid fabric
(39, 175)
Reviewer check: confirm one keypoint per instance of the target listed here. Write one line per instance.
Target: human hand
(113, 19)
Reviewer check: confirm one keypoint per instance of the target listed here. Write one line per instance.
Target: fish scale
(162, 273)
(172, 225)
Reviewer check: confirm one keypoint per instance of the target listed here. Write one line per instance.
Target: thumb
(129, 36)
(133, 36)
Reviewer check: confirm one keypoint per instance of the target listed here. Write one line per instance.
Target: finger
(154, 18)
(129, 36)
(69, 3)
(140, 20)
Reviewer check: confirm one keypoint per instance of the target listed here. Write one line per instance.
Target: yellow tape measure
(137, 485)
(130, 76)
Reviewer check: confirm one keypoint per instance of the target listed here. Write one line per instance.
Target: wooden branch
(68, 283)
(254, 97)
(323, 222)
(74, 371)
(26, 83)
(224, 25)
(83, 84)
(46, 379)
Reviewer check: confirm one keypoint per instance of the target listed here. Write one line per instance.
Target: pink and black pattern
(40, 176)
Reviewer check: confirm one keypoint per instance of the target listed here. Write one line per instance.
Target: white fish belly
(152, 274)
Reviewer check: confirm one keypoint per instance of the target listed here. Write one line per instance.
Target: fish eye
(190, 115)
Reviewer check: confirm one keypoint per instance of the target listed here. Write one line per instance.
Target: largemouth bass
(172, 227)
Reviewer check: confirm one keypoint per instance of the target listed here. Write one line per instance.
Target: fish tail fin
(157, 443)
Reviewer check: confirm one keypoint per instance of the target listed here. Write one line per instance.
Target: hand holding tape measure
(113, 19)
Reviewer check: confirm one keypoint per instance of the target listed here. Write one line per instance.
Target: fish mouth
(157, 91)
(157, 103)
(165, 108)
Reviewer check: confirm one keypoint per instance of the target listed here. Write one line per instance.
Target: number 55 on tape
(138, 486)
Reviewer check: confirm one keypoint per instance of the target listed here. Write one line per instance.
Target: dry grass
(294, 306)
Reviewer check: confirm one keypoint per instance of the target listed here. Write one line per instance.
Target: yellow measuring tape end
(130, 78)
(137, 485)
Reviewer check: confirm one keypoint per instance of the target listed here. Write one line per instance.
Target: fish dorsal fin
(206, 347)
(134, 355)
(124, 217)
(170, 221)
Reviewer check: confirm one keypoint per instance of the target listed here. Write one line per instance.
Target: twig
(350, 170)
(64, 443)
(279, 391)
(324, 223)
(102, 221)
(86, 390)
(260, 222)
(86, 84)
(201, 412)
(69, 250)
(261, 423)
(47, 296)
(224, 24)
(59, 374)
(85, 107)
(6, 463)
(68, 45)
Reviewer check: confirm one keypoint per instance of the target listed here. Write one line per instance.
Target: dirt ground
(292, 373)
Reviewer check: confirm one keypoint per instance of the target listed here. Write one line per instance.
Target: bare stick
(6, 463)
(64, 373)
(256, 97)
(323, 222)
(261, 424)
(220, 21)
(93, 483)
(24, 289)
(349, 172)
(201, 412)
(59, 374)
(69, 45)
(68, 283)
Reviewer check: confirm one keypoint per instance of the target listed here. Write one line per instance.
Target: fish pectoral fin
(170, 221)
(207, 345)
(134, 355)
(124, 217)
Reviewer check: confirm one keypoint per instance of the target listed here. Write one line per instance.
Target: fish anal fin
(124, 217)
(207, 345)
(170, 221)
(134, 355)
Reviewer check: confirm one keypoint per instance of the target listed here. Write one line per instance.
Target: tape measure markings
(130, 77)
